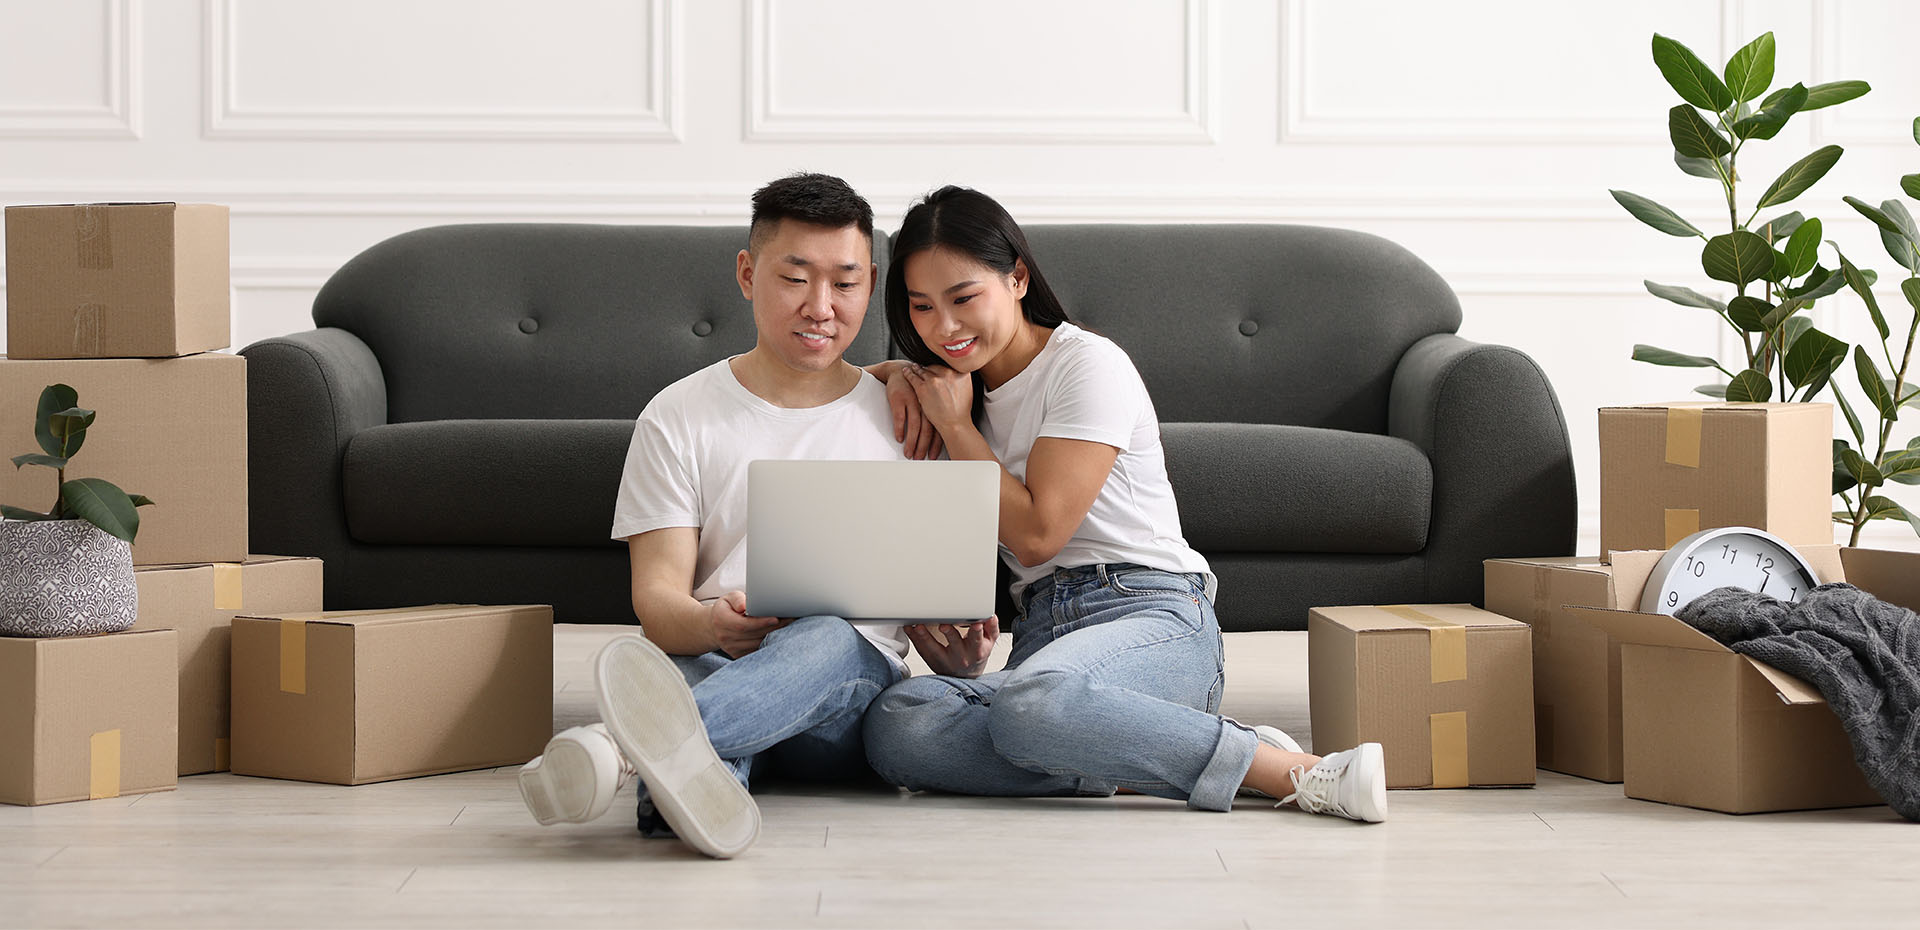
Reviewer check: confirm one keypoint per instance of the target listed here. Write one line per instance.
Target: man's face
(809, 286)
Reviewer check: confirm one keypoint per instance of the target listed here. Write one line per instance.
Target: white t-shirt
(1082, 386)
(687, 466)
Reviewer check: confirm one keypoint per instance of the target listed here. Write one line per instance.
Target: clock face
(1740, 557)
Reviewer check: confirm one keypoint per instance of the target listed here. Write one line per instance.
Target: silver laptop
(873, 542)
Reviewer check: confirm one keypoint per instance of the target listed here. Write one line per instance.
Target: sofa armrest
(1503, 483)
(307, 395)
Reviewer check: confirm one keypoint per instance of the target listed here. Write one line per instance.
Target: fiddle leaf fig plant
(1856, 473)
(1774, 266)
(60, 426)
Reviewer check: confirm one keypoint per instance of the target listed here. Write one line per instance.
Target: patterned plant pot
(64, 578)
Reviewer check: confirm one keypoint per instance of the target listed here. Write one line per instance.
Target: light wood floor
(459, 851)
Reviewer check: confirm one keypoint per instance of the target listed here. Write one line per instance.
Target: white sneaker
(1278, 739)
(651, 714)
(575, 779)
(1351, 784)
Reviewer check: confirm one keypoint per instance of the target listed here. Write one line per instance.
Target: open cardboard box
(1704, 726)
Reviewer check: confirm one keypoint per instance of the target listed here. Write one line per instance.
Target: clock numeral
(1673, 598)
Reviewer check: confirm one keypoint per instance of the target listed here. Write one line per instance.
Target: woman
(1117, 665)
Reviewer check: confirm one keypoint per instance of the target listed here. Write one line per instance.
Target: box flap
(1413, 617)
(1632, 626)
(1740, 407)
(1791, 690)
(1889, 575)
(392, 615)
(1572, 563)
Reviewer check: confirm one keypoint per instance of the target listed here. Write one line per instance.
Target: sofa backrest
(1293, 325)
(545, 320)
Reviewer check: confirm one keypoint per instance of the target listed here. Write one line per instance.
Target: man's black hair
(819, 199)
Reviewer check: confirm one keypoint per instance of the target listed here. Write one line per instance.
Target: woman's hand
(965, 650)
(738, 633)
(946, 396)
(916, 434)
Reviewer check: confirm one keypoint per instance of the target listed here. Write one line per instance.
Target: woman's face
(966, 312)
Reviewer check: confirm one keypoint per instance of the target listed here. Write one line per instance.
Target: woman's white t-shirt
(687, 466)
(1083, 386)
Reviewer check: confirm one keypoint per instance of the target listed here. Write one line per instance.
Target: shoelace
(1312, 790)
(628, 771)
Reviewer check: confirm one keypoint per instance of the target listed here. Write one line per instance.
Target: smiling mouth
(960, 346)
(816, 339)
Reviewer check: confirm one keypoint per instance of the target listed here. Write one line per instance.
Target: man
(711, 693)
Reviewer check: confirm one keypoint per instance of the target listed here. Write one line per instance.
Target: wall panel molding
(657, 119)
(1193, 124)
(116, 117)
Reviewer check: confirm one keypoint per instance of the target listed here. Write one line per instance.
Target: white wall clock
(1734, 556)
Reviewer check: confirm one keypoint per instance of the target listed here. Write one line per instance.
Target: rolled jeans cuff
(1220, 781)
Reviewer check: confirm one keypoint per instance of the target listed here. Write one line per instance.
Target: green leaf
(1693, 136)
(1828, 94)
(1803, 248)
(1799, 176)
(1908, 182)
(35, 458)
(1812, 356)
(1712, 390)
(1901, 246)
(1909, 393)
(1767, 123)
(1819, 283)
(1738, 257)
(1749, 314)
(55, 398)
(1658, 356)
(1686, 297)
(1793, 329)
(1695, 82)
(1749, 387)
(1863, 286)
(99, 502)
(1700, 167)
(1853, 419)
(1873, 213)
(1902, 466)
(140, 500)
(1843, 480)
(1750, 70)
(1823, 376)
(1655, 215)
(1910, 288)
(1780, 227)
(1873, 384)
(1862, 470)
(21, 513)
(1916, 130)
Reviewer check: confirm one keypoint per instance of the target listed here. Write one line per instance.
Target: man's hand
(738, 633)
(964, 654)
(918, 439)
(945, 395)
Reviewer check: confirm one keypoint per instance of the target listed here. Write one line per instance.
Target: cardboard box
(1446, 689)
(172, 429)
(1706, 727)
(1576, 666)
(86, 716)
(350, 697)
(1669, 470)
(117, 280)
(199, 603)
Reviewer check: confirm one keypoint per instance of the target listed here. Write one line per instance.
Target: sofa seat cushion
(485, 482)
(1262, 488)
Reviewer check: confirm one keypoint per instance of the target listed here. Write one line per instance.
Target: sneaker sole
(563, 786)
(1373, 807)
(651, 714)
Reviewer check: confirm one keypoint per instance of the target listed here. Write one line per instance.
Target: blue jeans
(793, 706)
(1114, 681)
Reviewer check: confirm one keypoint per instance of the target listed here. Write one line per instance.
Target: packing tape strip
(104, 765)
(86, 329)
(93, 237)
(1683, 436)
(228, 593)
(1446, 643)
(293, 656)
(1680, 524)
(222, 754)
(1448, 733)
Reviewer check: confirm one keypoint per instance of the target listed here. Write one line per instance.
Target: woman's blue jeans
(1113, 682)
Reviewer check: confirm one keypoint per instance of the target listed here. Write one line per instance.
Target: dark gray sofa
(455, 426)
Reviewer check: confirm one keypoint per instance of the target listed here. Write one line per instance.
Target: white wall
(1482, 134)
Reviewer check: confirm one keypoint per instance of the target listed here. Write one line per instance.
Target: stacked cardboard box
(1446, 689)
(1576, 666)
(124, 302)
